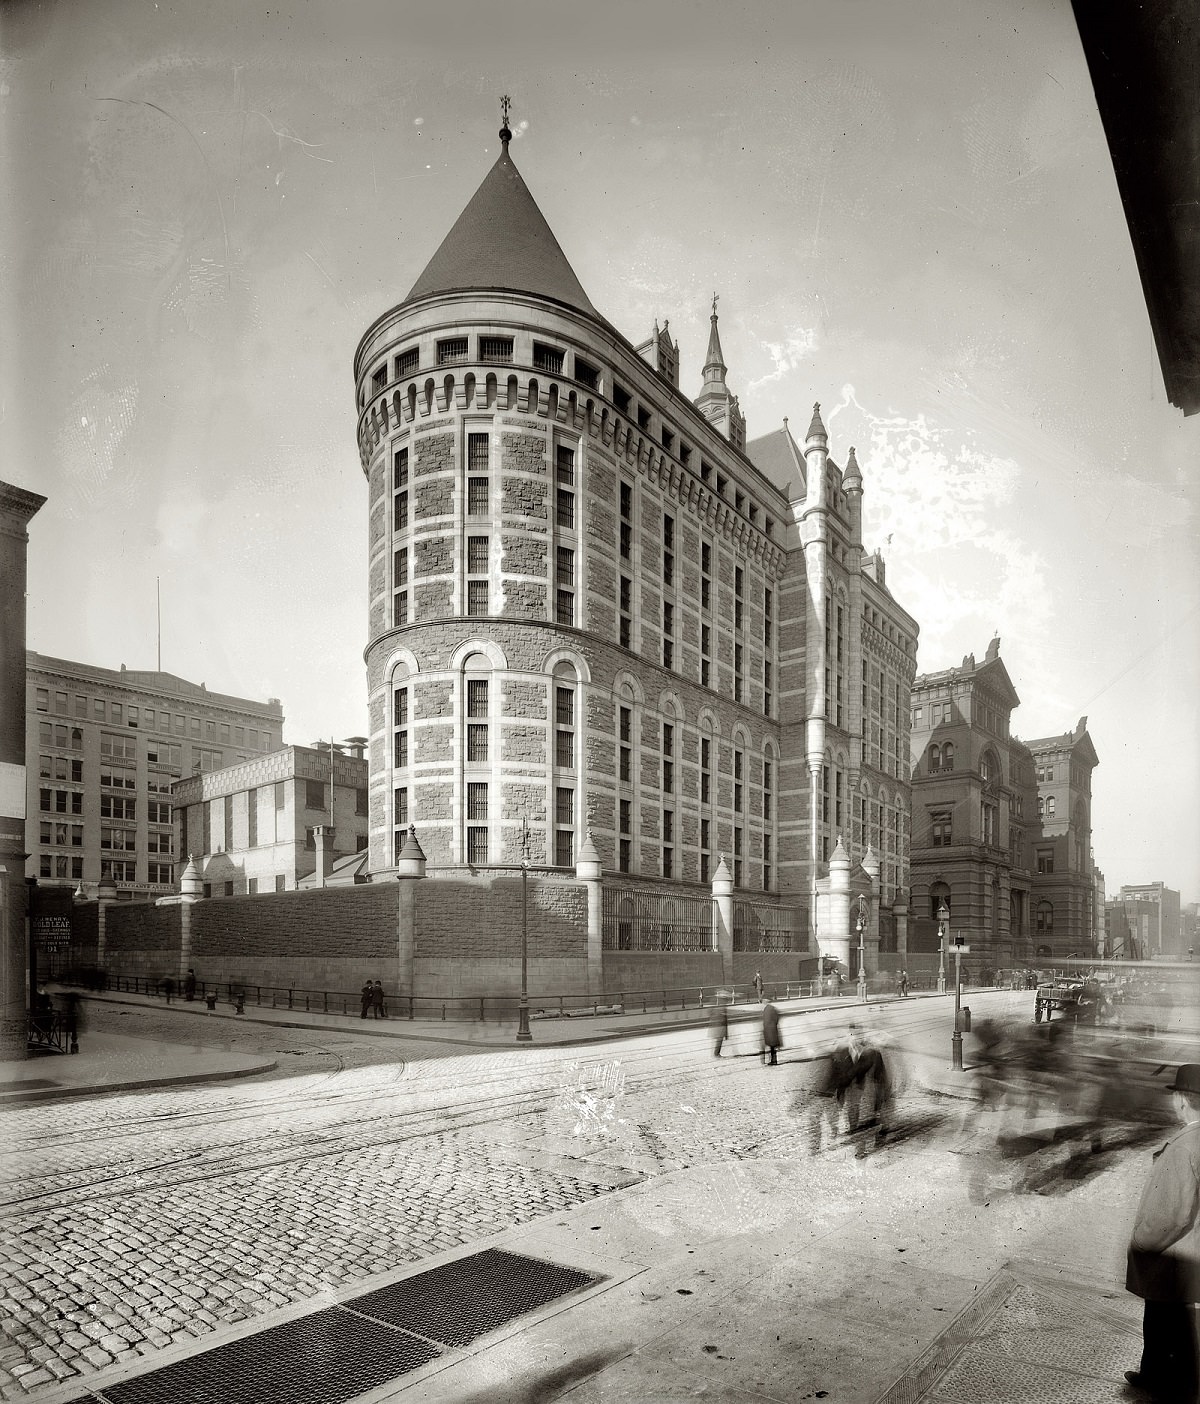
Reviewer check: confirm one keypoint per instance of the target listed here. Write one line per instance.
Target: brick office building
(596, 608)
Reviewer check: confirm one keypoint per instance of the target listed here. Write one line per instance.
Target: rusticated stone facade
(614, 615)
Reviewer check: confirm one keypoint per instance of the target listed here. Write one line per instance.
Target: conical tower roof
(502, 240)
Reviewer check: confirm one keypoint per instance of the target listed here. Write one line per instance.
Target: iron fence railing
(767, 927)
(638, 920)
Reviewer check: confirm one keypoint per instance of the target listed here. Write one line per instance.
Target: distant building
(1064, 896)
(1164, 929)
(272, 824)
(104, 747)
(597, 608)
(1100, 906)
(974, 816)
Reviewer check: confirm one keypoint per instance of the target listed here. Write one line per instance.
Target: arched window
(988, 769)
(1044, 919)
(935, 758)
(1050, 806)
(948, 756)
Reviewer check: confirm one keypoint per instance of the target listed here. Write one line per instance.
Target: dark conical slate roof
(502, 240)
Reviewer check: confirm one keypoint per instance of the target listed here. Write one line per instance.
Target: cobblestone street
(134, 1222)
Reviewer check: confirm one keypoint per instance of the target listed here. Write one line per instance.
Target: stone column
(587, 870)
(323, 839)
(191, 890)
(900, 913)
(17, 507)
(870, 864)
(722, 891)
(838, 939)
(409, 867)
(106, 895)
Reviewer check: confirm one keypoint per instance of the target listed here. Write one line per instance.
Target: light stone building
(597, 608)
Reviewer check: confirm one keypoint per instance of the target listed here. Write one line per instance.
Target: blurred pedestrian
(365, 994)
(377, 1000)
(72, 1020)
(168, 986)
(758, 986)
(834, 1083)
(904, 984)
(1163, 1264)
(718, 1026)
(772, 1043)
(189, 985)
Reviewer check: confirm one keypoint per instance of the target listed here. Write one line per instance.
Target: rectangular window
(477, 454)
(626, 605)
(408, 362)
(626, 520)
(452, 350)
(477, 742)
(496, 350)
(477, 497)
(477, 697)
(564, 750)
(586, 374)
(379, 380)
(565, 598)
(477, 846)
(400, 518)
(547, 358)
(477, 597)
(705, 770)
(477, 801)
(400, 468)
(400, 568)
(564, 806)
(314, 794)
(400, 806)
(400, 707)
(626, 748)
(400, 608)
(738, 764)
(42, 703)
(400, 750)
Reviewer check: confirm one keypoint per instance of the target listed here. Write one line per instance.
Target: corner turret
(715, 402)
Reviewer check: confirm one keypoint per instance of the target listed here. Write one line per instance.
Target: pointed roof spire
(816, 428)
(853, 474)
(502, 240)
(505, 134)
(714, 361)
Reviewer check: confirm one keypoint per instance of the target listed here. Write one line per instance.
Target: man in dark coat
(1163, 1264)
(365, 995)
(377, 1000)
(718, 1026)
(770, 1035)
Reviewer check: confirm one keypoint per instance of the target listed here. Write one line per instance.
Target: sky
(909, 213)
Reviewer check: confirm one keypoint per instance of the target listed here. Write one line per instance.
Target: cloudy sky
(908, 210)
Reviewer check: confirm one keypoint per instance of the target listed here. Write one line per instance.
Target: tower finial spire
(715, 296)
(505, 134)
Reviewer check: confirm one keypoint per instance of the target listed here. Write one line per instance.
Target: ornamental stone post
(722, 891)
(409, 867)
(839, 905)
(588, 871)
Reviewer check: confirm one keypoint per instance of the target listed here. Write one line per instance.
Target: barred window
(478, 492)
(547, 358)
(477, 742)
(477, 800)
(498, 350)
(477, 697)
(477, 453)
(400, 707)
(400, 468)
(408, 362)
(400, 607)
(451, 350)
(400, 516)
(477, 846)
(477, 555)
(477, 597)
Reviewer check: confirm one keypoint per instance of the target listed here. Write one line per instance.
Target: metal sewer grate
(343, 1351)
(462, 1300)
(326, 1358)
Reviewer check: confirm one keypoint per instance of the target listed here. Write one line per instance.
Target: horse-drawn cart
(1080, 998)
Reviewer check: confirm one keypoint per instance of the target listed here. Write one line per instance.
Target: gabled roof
(502, 240)
(778, 459)
(1078, 742)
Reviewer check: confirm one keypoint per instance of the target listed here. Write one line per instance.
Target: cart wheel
(1037, 1011)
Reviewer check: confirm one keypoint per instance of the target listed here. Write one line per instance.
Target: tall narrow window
(400, 723)
(564, 827)
(477, 720)
(738, 765)
(626, 602)
(625, 750)
(668, 634)
(768, 813)
(705, 849)
(625, 842)
(478, 490)
(668, 549)
(564, 473)
(400, 586)
(400, 485)
(564, 600)
(668, 758)
(739, 578)
(705, 576)
(626, 527)
(477, 575)
(738, 675)
(564, 728)
(768, 618)
(705, 655)
(668, 843)
(477, 816)
(737, 856)
(705, 770)
(768, 686)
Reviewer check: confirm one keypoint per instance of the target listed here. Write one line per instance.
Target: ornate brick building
(596, 608)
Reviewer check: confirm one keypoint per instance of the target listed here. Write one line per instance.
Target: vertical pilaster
(409, 868)
(588, 871)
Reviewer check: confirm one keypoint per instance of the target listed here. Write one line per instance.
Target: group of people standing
(371, 995)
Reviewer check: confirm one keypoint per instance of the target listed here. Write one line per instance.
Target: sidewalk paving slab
(110, 1062)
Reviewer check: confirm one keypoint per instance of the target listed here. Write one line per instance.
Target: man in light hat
(1163, 1266)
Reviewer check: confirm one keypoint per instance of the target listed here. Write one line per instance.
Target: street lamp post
(523, 1033)
(956, 1036)
(861, 927)
(943, 918)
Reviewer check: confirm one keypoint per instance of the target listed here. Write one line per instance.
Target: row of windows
(499, 350)
(147, 718)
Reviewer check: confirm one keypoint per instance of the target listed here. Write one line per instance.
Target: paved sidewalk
(108, 1062)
